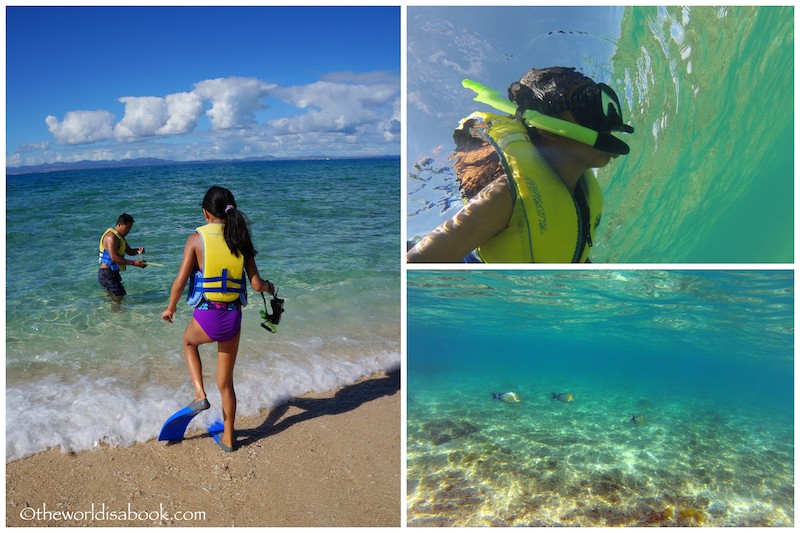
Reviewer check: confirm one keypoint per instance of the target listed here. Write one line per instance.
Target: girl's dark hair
(547, 89)
(219, 202)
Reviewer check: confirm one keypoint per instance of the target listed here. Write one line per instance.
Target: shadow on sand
(346, 399)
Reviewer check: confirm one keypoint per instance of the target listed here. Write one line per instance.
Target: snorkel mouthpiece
(601, 140)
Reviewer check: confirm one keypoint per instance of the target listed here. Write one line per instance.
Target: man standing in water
(113, 248)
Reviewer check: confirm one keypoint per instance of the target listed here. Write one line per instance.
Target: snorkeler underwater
(529, 196)
(513, 164)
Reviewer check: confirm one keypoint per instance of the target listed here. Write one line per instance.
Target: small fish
(637, 419)
(565, 397)
(508, 397)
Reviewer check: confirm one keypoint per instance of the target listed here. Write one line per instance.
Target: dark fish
(507, 397)
(637, 419)
(565, 397)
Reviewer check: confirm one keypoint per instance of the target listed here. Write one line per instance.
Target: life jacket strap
(224, 279)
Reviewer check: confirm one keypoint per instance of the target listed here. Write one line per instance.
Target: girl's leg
(193, 337)
(226, 358)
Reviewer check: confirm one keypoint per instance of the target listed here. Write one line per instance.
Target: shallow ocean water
(709, 91)
(703, 359)
(81, 371)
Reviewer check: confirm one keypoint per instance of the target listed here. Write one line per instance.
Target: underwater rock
(466, 458)
(552, 483)
(616, 515)
(657, 518)
(756, 519)
(718, 509)
(431, 521)
(455, 457)
(453, 499)
(701, 502)
(610, 484)
(496, 521)
(549, 463)
(691, 515)
(441, 431)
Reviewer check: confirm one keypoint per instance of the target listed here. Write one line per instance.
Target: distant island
(154, 162)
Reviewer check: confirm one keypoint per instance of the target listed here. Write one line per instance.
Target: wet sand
(321, 460)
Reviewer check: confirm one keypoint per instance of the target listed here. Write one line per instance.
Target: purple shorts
(220, 321)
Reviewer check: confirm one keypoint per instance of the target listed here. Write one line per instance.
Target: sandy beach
(321, 460)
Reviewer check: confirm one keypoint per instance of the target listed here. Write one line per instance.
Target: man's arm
(111, 244)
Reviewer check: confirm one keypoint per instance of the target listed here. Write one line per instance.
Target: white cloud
(81, 127)
(337, 107)
(34, 147)
(183, 111)
(234, 101)
(342, 115)
(146, 116)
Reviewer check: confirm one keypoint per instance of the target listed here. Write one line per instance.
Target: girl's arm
(190, 259)
(258, 284)
(482, 218)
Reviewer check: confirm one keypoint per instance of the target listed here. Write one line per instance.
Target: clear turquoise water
(706, 357)
(710, 177)
(81, 371)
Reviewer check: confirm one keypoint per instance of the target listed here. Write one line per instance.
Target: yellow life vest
(546, 225)
(105, 257)
(223, 277)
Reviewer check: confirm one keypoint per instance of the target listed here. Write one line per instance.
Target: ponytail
(219, 202)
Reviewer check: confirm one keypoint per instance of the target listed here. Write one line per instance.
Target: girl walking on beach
(218, 260)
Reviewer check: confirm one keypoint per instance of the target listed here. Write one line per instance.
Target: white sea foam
(82, 413)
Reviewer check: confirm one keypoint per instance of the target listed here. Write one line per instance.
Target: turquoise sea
(709, 90)
(82, 371)
(703, 360)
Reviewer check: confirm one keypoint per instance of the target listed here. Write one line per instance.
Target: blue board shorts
(220, 321)
(111, 281)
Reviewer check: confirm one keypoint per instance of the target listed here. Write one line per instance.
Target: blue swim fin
(216, 428)
(175, 426)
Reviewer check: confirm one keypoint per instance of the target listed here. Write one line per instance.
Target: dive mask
(271, 320)
(596, 108)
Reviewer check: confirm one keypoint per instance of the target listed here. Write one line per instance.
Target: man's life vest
(105, 258)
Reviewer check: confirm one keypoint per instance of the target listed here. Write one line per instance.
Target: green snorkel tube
(563, 128)
(271, 320)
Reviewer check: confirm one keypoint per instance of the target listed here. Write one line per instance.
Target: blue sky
(189, 83)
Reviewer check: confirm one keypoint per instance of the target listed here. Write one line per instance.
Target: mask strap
(535, 119)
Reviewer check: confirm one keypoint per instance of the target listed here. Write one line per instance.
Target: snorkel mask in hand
(595, 106)
(271, 320)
